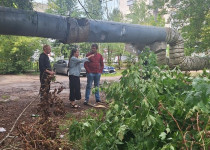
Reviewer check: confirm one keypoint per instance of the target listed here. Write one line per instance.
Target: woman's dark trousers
(74, 84)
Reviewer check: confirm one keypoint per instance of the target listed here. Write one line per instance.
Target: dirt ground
(17, 91)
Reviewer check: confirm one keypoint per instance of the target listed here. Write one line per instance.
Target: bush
(15, 53)
(151, 108)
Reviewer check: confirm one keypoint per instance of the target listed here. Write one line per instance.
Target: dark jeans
(45, 85)
(74, 84)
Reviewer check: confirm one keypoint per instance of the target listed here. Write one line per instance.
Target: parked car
(109, 69)
(105, 70)
(83, 70)
(61, 67)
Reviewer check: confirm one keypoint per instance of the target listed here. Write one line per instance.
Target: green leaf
(162, 135)
(168, 130)
(116, 107)
(152, 119)
(116, 119)
(145, 103)
(86, 124)
(121, 132)
(172, 148)
(98, 133)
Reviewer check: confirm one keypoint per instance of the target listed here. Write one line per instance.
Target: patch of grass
(5, 97)
(30, 73)
(68, 115)
(118, 73)
(69, 118)
(34, 73)
(64, 124)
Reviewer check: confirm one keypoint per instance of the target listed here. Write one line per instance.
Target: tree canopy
(64, 8)
(16, 51)
(191, 17)
(21, 4)
(94, 9)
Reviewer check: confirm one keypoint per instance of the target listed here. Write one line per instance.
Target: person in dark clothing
(74, 73)
(94, 68)
(45, 69)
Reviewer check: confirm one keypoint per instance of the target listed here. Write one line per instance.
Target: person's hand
(52, 73)
(90, 56)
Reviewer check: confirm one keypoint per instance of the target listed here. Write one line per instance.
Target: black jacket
(44, 64)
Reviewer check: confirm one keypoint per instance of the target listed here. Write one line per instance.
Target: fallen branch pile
(42, 134)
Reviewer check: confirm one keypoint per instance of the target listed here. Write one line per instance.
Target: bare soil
(17, 91)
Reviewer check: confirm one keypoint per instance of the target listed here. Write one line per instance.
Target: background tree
(191, 17)
(94, 9)
(64, 8)
(16, 51)
(115, 15)
(62, 50)
(84, 48)
(114, 50)
(143, 14)
(21, 4)
(205, 34)
(138, 13)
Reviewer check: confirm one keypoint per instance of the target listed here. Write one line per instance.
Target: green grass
(33, 73)
(66, 122)
(118, 73)
(5, 97)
